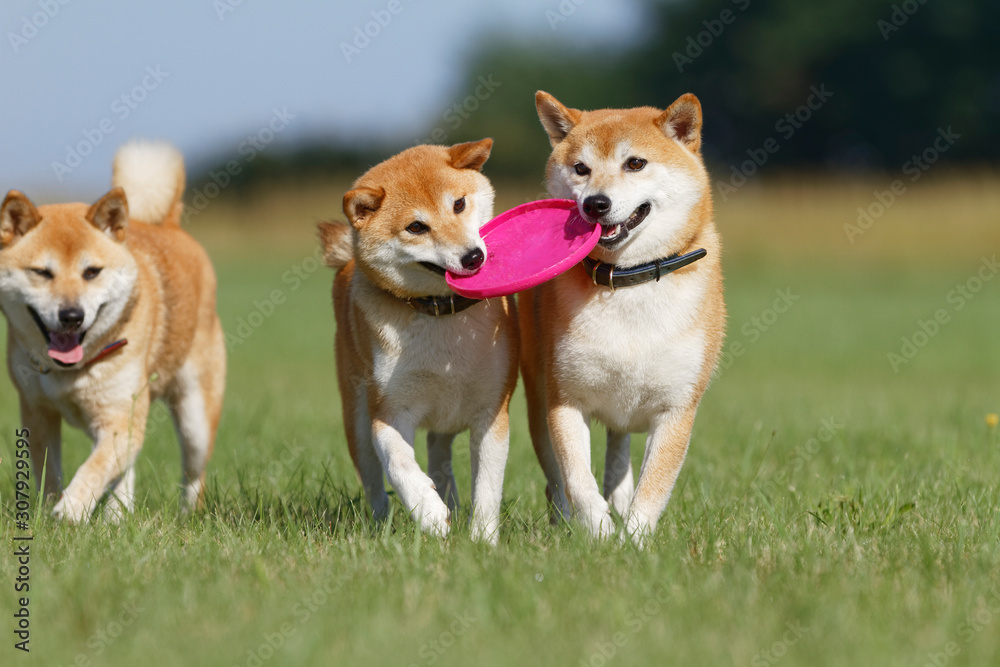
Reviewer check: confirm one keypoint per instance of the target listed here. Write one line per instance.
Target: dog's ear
(360, 204)
(110, 214)
(682, 121)
(17, 217)
(336, 240)
(471, 155)
(557, 119)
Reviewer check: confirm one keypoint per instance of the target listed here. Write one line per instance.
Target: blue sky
(204, 75)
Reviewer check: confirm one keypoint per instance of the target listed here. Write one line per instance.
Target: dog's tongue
(65, 348)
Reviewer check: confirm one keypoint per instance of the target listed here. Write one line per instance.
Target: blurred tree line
(849, 85)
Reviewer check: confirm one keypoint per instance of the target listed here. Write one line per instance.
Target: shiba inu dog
(412, 354)
(108, 307)
(631, 336)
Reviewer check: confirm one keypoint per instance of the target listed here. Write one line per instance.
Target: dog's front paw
(638, 527)
(485, 530)
(71, 509)
(597, 520)
(432, 515)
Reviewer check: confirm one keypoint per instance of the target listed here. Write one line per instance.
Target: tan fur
(159, 290)
(638, 358)
(399, 370)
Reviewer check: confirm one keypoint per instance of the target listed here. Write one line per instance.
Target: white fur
(193, 430)
(631, 358)
(647, 357)
(644, 364)
(152, 175)
(444, 374)
(59, 389)
(671, 192)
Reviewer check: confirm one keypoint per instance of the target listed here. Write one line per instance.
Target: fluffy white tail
(152, 175)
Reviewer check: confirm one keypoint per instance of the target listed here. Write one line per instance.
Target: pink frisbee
(526, 246)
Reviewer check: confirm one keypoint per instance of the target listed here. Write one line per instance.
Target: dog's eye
(417, 227)
(91, 272)
(44, 273)
(634, 163)
(459, 205)
(581, 169)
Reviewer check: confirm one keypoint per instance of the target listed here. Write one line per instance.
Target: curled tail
(336, 240)
(152, 175)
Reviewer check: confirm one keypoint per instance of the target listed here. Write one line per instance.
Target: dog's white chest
(634, 353)
(443, 370)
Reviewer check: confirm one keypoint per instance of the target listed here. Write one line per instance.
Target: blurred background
(286, 104)
(853, 151)
(355, 82)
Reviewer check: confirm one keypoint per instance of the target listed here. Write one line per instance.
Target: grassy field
(836, 508)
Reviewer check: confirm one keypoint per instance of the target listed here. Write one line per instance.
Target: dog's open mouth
(65, 347)
(613, 235)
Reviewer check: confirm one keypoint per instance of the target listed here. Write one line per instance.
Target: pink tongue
(65, 347)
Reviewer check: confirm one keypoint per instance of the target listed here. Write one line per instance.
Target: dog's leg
(618, 485)
(121, 500)
(555, 489)
(358, 428)
(571, 442)
(439, 467)
(394, 445)
(195, 400)
(666, 447)
(489, 443)
(45, 446)
(118, 437)
(534, 389)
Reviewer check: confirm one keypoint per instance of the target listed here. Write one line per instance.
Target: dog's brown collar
(108, 349)
(609, 275)
(441, 305)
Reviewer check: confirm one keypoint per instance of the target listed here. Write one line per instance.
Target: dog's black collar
(440, 270)
(609, 275)
(436, 306)
(441, 305)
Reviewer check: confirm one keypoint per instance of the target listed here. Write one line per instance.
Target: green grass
(823, 492)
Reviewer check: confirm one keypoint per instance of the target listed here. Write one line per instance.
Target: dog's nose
(473, 259)
(71, 318)
(596, 206)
